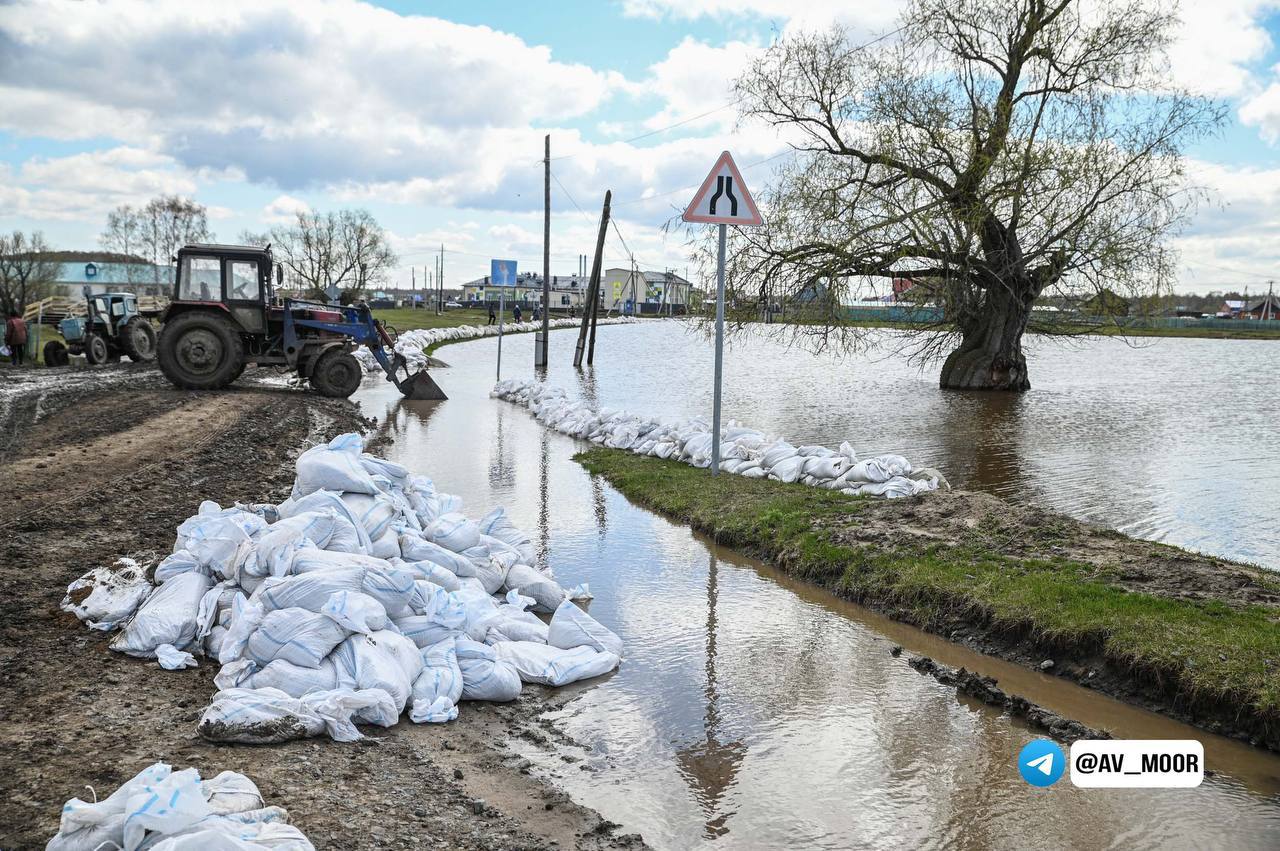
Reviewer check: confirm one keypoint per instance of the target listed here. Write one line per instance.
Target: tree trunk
(990, 354)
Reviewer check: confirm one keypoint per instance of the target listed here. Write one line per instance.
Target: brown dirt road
(99, 467)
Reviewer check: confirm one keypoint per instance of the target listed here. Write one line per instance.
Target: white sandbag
(532, 583)
(267, 715)
(513, 623)
(383, 660)
(397, 474)
(356, 611)
(173, 659)
(825, 466)
(756, 472)
(308, 591)
(572, 627)
(334, 466)
(306, 561)
(414, 547)
(484, 675)
(85, 826)
(552, 666)
(789, 469)
(496, 524)
(442, 615)
(846, 449)
(169, 616)
(295, 635)
(433, 573)
(387, 545)
(106, 596)
(213, 641)
(178, 561)
(481, 610)
(777, 453)
(325, 500)
(375, 512)
(230, 792)
(220, 540)
(276, 546)
(454, 532)
(492, 575)
(224, 833)
(291, 679)
(438, 688)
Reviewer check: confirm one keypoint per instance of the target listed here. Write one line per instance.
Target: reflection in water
(709, 765)
(982, 432)
(757, 710)
(544, 498)
(598, 505)
(587, 383)
(499, 462)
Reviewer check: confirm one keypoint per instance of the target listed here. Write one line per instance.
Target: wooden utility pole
(593, 287)
(440, 283)
(540, 344)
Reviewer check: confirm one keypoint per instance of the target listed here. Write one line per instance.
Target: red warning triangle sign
(723, 198)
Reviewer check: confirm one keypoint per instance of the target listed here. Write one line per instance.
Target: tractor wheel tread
(213, 334)
(138, 339)
(336, 374)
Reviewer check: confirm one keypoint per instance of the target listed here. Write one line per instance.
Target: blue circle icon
(1041, 762)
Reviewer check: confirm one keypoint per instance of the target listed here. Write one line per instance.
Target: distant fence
(927, 315)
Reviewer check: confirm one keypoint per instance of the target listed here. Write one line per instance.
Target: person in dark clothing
(493, 317)
(515, 313)
(15, 337)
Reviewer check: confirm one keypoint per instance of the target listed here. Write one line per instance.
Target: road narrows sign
(723, 198)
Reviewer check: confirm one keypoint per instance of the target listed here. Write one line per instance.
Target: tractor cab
(226, 313)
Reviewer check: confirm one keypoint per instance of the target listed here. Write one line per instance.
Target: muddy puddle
(756, 712)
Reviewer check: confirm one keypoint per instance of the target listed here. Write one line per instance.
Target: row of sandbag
(412, 343)
(160, 809)
(743, 451)
(365, 594)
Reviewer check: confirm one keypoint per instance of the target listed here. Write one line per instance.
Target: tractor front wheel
(200, 351)
(138, 339)
(95, 349)
(55, 354)
(336, 374)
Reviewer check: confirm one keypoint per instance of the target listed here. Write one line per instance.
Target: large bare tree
(156, 231)
(347, 249)
(992, 151)
(27, 270)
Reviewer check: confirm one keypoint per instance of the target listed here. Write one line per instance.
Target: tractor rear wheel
(55, 354)
(95, 349)
(200, 350)
(336, 374)
(138, 339)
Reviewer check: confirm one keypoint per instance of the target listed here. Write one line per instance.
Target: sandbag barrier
(165, 810)
(412, 344)
(743, 451)
(364, 595)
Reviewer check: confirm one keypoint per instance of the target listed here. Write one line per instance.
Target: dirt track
(105, 465)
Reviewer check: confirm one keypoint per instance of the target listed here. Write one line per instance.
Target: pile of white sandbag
(165, 810)
(744, 451)
(365, 594)
(412, 343)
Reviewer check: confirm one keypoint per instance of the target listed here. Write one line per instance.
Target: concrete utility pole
(593, 286)
(440, 283)
(541, 340)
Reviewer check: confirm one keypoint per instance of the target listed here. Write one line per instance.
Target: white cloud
(86, 186)
(696, 78)
(289, 93)
(1235, 238)
(283, 209)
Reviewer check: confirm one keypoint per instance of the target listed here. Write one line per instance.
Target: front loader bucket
(421, 385)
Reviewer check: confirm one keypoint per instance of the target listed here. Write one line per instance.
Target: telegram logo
(1041, 762)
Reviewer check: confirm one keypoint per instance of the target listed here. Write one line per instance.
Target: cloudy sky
(432, 116)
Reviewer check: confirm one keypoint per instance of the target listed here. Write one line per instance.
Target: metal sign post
(717, 202)
(502, 274)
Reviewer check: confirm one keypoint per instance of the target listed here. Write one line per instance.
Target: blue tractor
(112, 326)
(225, 315)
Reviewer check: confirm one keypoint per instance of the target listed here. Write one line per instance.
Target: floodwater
(752, 711)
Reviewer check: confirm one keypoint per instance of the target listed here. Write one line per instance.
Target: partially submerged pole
(542, 339)
(593, 287)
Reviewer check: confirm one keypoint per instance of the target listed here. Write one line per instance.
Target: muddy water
(754, 712)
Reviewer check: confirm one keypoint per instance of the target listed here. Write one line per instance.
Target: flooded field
(755, 712)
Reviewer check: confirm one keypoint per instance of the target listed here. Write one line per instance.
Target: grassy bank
(409, 319)
(1034, 583)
